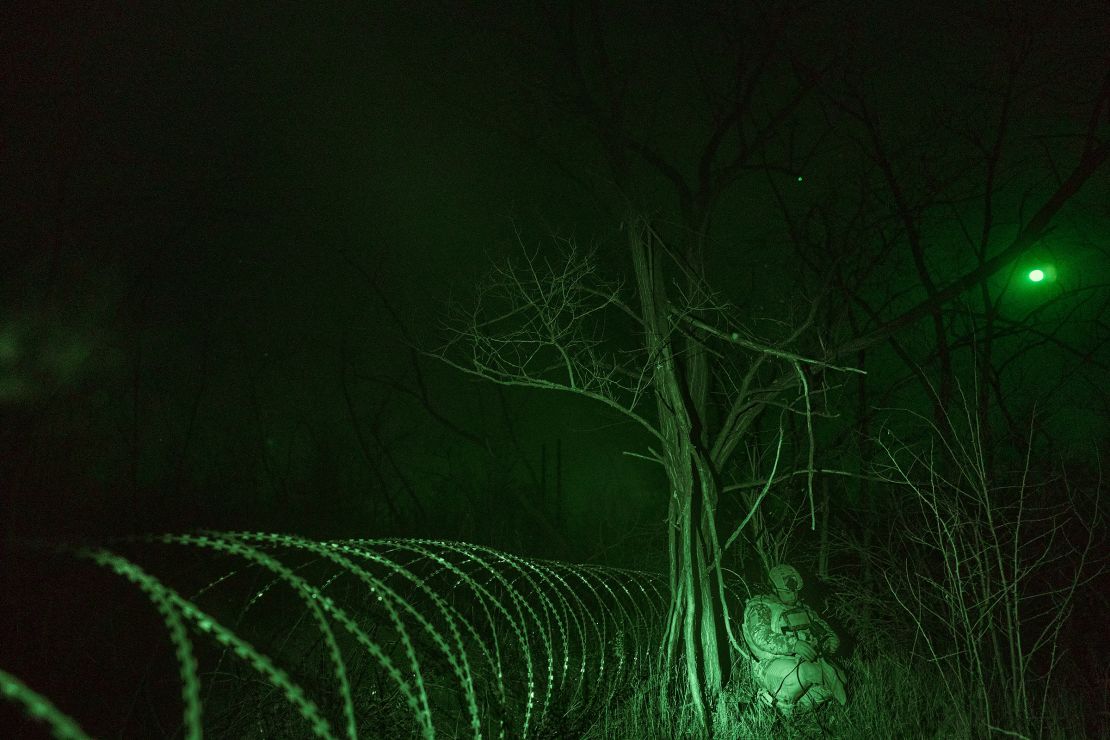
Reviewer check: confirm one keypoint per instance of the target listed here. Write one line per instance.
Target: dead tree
(556, 324)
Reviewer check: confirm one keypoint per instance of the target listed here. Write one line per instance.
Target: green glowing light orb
(799, 178)
(1036, 275)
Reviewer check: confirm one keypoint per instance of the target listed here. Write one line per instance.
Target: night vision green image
(554, 370)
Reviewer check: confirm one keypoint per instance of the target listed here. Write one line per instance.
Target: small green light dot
(1036, 275)
(799, 178)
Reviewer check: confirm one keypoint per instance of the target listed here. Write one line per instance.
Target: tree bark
(695, 641)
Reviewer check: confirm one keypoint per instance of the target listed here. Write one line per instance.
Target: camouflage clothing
(772, 630)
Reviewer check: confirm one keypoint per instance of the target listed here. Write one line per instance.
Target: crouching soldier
(790, 646)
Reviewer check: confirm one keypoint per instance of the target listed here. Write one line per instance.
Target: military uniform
(772, 630)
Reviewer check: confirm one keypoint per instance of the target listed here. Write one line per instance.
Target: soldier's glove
(804, 650)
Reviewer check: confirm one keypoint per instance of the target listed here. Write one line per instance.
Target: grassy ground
(888, 700)
(93, 643)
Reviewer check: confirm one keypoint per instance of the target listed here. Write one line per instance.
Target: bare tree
(997, 570)
(556, 324)
(667, 351)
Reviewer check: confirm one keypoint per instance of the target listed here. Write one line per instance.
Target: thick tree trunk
(695, 645)
(696, 640)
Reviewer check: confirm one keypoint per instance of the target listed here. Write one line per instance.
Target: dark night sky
(183, 188)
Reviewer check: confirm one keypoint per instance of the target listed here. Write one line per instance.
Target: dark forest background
(231, 238)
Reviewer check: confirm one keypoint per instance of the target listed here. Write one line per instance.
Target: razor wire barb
(407, 637)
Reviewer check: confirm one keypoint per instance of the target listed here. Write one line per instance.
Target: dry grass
(295, 638)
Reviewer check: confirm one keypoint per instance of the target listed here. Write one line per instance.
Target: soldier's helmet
(785, 577)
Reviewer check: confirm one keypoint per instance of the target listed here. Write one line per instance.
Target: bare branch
(539, 323)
